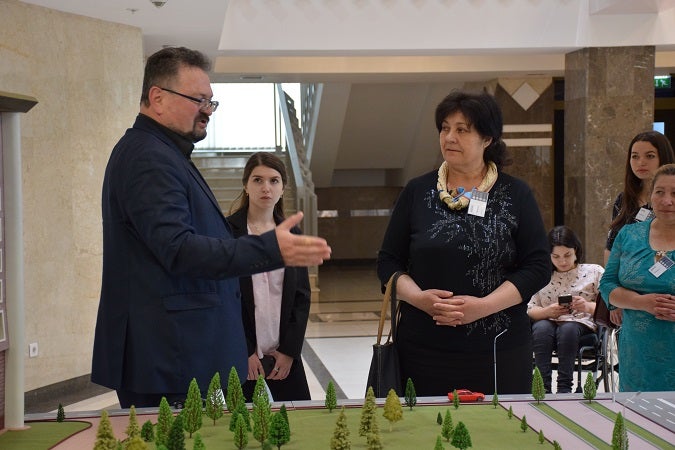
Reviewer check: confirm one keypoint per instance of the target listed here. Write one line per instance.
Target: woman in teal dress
(640, 278)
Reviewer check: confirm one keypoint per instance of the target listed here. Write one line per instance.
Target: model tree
(439, 443)
(542, 439)
(393, 411)
(439, 418)
(235, 394)
(243, 412)
(368, 412)
(261, 411)
(133, 429)
(60, 414)
(410, 395)
(148, 431)
(164, 421)
(461, 438)
(284, 414)
(447, 428)
(510, 413)
(373, 441)
(105, 439)
(331, 398)
(176, 439)
(538, 390)
(193, 410)
(240, 433)
(280, 434)
(523, 424)
(455, 399)
(495, 400)
(340, 439)
(214, 399)
(590, 389)
(136, 443)
(199, 443)
(619, 434)
(556, 445)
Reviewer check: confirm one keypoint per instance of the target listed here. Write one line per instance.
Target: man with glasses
(170, 303)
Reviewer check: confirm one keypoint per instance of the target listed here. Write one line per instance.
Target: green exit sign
(662, 82)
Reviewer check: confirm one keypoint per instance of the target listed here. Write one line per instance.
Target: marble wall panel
(86, 75)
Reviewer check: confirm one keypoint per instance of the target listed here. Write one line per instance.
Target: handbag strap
(388, 301)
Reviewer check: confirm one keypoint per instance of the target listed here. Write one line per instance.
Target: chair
(599, 352)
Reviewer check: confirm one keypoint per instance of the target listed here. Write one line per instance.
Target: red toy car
(466, 395)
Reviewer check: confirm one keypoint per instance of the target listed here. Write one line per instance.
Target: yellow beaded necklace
(457, 199)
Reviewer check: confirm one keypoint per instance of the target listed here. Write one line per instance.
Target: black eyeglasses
(205, 104)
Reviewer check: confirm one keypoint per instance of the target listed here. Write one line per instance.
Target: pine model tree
(60, 414)
(619, 434)
(538, 390)
(148, 431)
(136, 443)
(105, 439)
(261, 411)
(176, 439)
(331, 398)
(280, 434)
(199, 443)
(447, 428)
(439, 418)
(590, 389)
(393, 411)
(194, 409)
(542, 439)
(455, 399)
(461, 438)
(523, 424)
(495, 400)
(240, 433)
(340, 439)
(133, 429)
(373, 441)
(243, 412)
(368, 412)
(510, 413)
(164, 421)
(235, 394)
(214, 399)
(439, 443)
(556, 445)
(410, 394)
(284, 414)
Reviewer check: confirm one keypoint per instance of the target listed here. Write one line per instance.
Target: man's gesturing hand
(299, 250)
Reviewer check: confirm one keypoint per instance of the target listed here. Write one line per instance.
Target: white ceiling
(385, 64)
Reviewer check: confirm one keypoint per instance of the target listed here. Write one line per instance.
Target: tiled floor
(339, 336)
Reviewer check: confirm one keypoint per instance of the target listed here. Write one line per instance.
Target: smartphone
(565, 300)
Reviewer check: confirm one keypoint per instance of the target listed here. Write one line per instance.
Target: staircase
(223, 172)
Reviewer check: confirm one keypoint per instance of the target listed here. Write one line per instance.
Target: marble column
(609, 98)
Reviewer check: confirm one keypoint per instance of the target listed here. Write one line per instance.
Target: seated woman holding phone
(562, 312)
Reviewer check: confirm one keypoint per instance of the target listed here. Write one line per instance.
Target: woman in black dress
(275, 304)
(472, 242)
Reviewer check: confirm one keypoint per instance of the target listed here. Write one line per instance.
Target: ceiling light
(158, 3)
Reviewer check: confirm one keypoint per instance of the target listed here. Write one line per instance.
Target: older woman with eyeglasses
(472, 243)
(640, 279)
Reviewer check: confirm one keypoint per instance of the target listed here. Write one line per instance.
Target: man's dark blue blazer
(170, 307)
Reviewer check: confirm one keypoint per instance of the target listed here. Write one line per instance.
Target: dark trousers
(563, 336)
(141, 400)
(294, 387)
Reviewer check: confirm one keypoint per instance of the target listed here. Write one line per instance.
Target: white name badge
(661, 266)
(478, 203)
(644, 214)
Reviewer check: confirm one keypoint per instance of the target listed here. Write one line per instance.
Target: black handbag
(385, 373)
(601, 314)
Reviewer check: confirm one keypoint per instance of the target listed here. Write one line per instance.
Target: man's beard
(197, 134)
